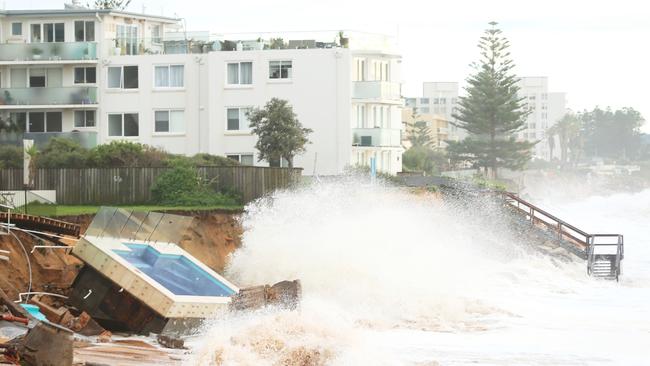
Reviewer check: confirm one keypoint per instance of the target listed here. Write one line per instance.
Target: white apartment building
(546, 109)
(100, 75)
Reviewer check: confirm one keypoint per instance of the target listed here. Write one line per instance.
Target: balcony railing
(67, 95)
(56, 51)
(376, 90)
(160, 46)
(376, 137)
(87, 139)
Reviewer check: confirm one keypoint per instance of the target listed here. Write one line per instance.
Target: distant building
(104, 75)
(547, 108)
(438, 127)
(439, 99)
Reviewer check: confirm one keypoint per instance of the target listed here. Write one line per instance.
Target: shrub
(126, 154)
(11, 157)
(182, 186)
(212, 160)
(62, 153)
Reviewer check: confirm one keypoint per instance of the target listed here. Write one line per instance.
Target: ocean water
(392, 278)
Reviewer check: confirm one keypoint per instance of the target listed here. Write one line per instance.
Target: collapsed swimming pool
(175, 272)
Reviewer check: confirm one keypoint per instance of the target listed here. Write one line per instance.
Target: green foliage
(277, 44)
(279, 133)
(568, 130)
(126, 154)
(182, 186)
(420, 134)
(110, 4)
(424, 159)
(62, 153)
(506, 153)
(212, 160)
(11, 157)
(488, 183)
(612, 134)
(492, 112)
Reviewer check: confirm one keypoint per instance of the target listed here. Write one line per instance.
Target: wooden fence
(125, 186)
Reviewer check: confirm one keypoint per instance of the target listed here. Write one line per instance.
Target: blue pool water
(175, 272)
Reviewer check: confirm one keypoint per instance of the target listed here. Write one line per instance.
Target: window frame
(121, 87)
(85, 68)
(85, 30)
(45, 113)
(239, 74)
(239, 156)
(12, 29)
(41, 25)
(168, 133)
(85, 111)
(122, 136)
(239, 131)
(280, 79)
(167, 88)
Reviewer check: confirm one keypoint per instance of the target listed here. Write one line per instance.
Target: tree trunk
(290, 161)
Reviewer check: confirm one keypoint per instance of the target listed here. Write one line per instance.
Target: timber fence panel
(124, 186)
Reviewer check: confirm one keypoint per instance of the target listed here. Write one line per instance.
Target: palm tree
(550, 138)
(568, 131)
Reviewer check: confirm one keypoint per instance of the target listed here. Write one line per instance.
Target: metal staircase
(603, 252)
(604, 256)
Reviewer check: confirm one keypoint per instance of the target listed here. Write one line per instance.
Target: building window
(424, 100)
(17, 29)
(280, 70)
(243, 159)
(84, 118)
(155, 34)
(360, 69)
(45, 121)
(169, 121)
(85, 75)
(123, 124)
(127, 39)
(237, 120)
(169, 76)
(123, 77)
(47, 32)
(424, 110)
(84, 31)
(240, 73)
(37, 78)
(19, 119)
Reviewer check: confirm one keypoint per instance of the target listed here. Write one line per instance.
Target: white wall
(319, 92)
(146, 99)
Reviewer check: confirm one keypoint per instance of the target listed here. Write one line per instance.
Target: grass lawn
(73, 210)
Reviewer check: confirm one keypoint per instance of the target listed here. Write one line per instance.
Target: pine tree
(492, 112)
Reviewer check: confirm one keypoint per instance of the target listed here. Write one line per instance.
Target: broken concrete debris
(134, 279)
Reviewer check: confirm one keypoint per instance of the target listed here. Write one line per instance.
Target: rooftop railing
(56, 51)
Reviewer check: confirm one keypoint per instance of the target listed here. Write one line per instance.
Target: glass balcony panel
(376, 90)
(376, 137)
(56, 51)
(87, 139)
(76, 95)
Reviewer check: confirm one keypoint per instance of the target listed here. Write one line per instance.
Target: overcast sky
(595, 51)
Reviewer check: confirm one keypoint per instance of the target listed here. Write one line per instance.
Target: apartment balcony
(377, 90)
(44, 53)
(87, 139)
(376, 137)
(54, 97)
